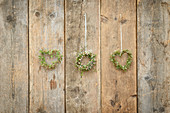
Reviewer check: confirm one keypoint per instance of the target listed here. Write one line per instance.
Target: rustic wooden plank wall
(46, 31)
(118, 88)
(13, 56)
(82, 94)
(153, 56)
(26, 26)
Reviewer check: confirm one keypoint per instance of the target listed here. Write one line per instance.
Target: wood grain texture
(13, 56)
(153, 56)
(82, 94)
(46, 31)
(118, 88)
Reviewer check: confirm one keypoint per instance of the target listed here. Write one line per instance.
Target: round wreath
(89, 65)
(116, 63)
(51, 53)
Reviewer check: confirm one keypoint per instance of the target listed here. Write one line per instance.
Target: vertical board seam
(100, 69)
(136, 59)
(28, 59)
(64, 58)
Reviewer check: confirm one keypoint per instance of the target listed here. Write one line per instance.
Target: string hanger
(120, 53)
(121, 32)
(81, 55)
(85, 32)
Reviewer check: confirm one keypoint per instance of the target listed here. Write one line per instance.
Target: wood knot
(69, 39)
(112, 103)
(123, 21)
(161, 109)
(37, 14)
(53, 83)
(41, 110)
(104, 19)
(52, 15)
(10, 19)
(151, 81)
(164, 3)
(76, 90)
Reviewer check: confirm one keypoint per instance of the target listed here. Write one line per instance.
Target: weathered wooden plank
(13, 56)
(82, 94)
(153, 56)
(118, 88)
(46, 32)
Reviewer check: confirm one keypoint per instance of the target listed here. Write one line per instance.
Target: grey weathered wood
(118, 88)
(13, 56)
(46, 31)
(153, 56)
(82, 94)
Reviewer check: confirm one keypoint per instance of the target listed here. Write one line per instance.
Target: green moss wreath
(89, 65)
(51, 53)
(116, 63)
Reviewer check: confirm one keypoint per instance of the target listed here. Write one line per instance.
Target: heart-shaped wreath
(52, 53)
(89, 65)
(116, 63)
